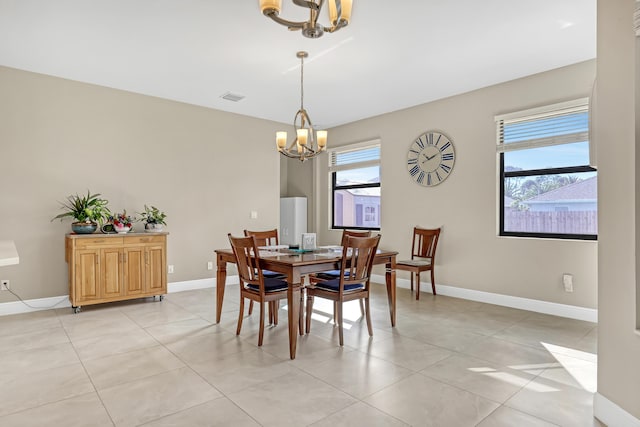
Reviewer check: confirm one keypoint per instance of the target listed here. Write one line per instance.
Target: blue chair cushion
(270, 285)
(268, 274)
(331, 274)
(334, 285)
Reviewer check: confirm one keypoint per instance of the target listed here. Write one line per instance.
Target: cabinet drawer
(98, 242)
(130, 240)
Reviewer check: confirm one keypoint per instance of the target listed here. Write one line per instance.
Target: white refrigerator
(293, 220)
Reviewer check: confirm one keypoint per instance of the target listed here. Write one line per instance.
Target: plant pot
(84, 227)
(152, 228)
(121, 229)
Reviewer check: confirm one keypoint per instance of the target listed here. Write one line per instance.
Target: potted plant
(153, 218)
(88, 211)
(122, 222)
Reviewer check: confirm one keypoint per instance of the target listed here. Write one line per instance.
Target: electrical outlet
(210, 265)
(4, 285)
(567, 281)
(171, 269)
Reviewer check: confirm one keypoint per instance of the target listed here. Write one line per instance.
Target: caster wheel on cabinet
(76, 310)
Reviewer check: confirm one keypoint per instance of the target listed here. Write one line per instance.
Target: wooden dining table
(295, 266)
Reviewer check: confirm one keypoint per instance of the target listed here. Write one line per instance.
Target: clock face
(430, 159)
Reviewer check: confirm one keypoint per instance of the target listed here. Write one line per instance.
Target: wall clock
(430, 158)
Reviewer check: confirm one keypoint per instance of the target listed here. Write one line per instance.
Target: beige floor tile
(419, 400)
(512, 355)
(216, 413)
(201, 348)
(121, 368)
(28, 322)
(32, 339)
(409, 353)
(150, 398)
(554, 402)
(79, 411)
(358, 374)
(89, 325)
(174, 331)
(296, 399)
(497, 383)
(507, 417)
(15, 364)
(125, 340)
(235, 372)
(38, 388)
(457, 373)
(146, 315)
(359, 414)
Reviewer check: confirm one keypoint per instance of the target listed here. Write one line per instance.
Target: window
(547, 188)
(354, 173)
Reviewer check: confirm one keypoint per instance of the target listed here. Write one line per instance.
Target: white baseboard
(562, 310)
(555, 309)
(611, 414)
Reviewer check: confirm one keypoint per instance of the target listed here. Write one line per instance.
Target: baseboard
(18, 307)
(555, 309)
(611, 414)
(562, 310)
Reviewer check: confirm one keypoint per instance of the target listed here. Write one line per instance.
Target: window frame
(540, 113)
(333, 187)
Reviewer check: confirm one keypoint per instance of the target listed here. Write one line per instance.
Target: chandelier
(339, 16)
(304, 145)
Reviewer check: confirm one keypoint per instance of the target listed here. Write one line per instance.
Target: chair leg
(301, 314)
(362, 310)
(261, 332)
(271, 313)
(276, 307)
(411, 284)
(340, 332)
(240, 316)
(335, 313)
(368, 316)
(417, 286)
(251, 306)
(309, 311)
(433, 282)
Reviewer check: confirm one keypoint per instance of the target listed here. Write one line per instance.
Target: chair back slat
(264, 238)
(353, 233)
(425, 242)
(247, 256)
(357, 259)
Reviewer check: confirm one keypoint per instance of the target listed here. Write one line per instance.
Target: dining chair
(267, 238)
(333, 274)
(254, 286)
(353, 282)
(423, 254)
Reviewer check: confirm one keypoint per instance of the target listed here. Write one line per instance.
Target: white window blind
(551, 125)
(359, 155)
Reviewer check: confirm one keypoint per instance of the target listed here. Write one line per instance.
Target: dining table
(296, 264)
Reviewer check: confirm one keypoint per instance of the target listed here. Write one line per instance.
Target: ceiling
(392, 56)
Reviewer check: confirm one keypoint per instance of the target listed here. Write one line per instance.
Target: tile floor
(448, 362)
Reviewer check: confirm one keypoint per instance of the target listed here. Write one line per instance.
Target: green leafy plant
(152, 215)
(89, 208)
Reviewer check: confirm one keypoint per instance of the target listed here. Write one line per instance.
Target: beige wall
(618, 345)
(206, 169)
(470, 254)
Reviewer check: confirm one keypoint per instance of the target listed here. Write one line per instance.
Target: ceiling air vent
(232, 97)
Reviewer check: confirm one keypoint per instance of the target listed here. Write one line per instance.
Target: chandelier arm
(309, 4)
(273, 14)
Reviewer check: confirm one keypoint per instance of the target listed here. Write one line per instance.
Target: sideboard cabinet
(114, 267)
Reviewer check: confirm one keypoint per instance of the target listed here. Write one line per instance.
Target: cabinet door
(87, 275)
(156, 270)
(134, 272)
(111, 272)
